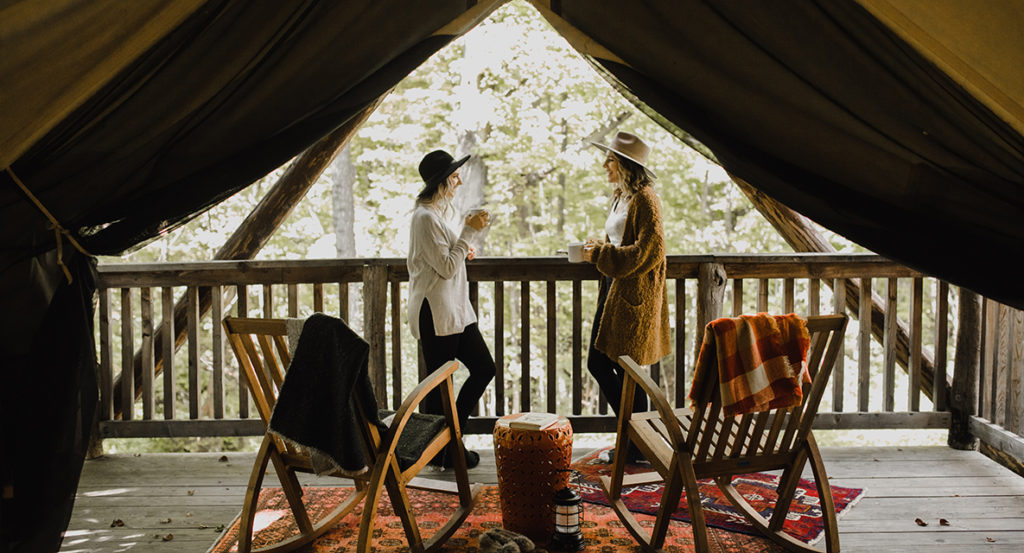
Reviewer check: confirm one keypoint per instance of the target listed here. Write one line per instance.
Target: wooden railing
(536, 313)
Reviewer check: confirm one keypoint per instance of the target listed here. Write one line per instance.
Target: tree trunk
(964, 398)
(343, 210)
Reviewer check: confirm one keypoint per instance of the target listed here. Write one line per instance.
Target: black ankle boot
(444, 460)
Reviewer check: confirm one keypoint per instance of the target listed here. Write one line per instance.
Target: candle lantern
(568, 506)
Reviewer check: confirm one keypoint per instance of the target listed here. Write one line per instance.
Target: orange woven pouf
(531, 467)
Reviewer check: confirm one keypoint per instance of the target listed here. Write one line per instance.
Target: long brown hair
(634, 176)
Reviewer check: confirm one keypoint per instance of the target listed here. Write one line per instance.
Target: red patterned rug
(602, 529)
(804, 521)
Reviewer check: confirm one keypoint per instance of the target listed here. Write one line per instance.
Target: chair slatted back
(261, 347)
(713, 436)
(262, 351)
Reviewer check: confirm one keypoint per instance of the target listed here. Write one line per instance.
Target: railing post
(375, 308)
(711, 279)
(964, 401)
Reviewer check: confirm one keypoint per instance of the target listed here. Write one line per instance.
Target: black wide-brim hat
(437, 165)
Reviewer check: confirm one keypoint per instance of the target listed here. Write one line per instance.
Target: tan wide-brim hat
(629, 146)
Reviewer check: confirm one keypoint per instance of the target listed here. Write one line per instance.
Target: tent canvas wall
(895, 123)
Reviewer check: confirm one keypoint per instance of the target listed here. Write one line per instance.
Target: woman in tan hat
(440, 314)
(632, 309)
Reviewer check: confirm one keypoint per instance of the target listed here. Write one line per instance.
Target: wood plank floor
(190, 497)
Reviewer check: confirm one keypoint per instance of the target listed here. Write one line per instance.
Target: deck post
(375, 309)
(964, 397)
(711, 280)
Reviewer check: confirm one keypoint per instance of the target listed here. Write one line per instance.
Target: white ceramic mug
(575, 252)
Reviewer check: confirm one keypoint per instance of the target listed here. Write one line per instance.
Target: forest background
(515, 95)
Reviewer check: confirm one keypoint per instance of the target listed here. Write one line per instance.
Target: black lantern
(568, 508)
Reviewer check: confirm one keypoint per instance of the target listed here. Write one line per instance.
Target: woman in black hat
(440, 314)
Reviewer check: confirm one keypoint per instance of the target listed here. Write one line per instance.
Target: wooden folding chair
(262, 350)
(684, 445)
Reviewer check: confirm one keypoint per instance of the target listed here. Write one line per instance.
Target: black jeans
(607, 372)
(469, 348)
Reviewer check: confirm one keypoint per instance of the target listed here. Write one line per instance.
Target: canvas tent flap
(979, 45)
(56, 54)
(829, 112)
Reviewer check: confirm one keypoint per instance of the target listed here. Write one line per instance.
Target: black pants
(469, 348)
(607, 372)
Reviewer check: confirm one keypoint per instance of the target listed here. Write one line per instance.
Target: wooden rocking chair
(685, 445)
(262, 350)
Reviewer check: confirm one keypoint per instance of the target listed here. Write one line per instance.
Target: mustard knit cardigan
(635, 318)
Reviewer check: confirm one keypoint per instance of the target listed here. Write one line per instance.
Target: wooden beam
(254, 232)
(802, 237)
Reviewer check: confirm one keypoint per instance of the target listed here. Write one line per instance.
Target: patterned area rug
(804, 521)
(602, 530)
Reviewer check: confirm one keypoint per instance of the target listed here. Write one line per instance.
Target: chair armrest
(634, 373)
(412, 401)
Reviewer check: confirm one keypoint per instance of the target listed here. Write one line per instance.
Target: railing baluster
(318, 297)
(524, 350)
(788, 296)
(343, 301)
(127, 357)
(194, 384)
(1016, 354)
(864, 350)
(939, 385)
(737, 297)
(167, 350)
(813, 297)
(681, 380)
(889, 347)
(242, 310)
(1004, 383)
(988, 346)
(146, 349)
(838, 377)
(577, 347)
(762, 295)
(499, 348)
(552, 354)
(268, 301)
(293, 300)
(396, 345)
(916, 342)
(106, 376)
(217, 347)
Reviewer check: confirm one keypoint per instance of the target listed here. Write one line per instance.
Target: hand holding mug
(478, 218)
(588, 250)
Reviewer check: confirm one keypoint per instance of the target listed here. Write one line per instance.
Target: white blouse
(437, 272)
(615, 225)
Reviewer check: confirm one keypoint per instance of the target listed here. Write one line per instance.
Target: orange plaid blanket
(759, 361)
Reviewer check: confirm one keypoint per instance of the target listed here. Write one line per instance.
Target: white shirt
(615, 225)
(437, 272)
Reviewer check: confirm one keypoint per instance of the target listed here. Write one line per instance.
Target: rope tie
(59, 232)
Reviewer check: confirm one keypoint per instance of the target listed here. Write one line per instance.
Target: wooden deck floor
(191, 496)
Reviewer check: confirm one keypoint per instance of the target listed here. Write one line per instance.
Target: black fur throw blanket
(315, 408)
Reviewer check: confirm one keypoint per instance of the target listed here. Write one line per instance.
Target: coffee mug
(575, 252)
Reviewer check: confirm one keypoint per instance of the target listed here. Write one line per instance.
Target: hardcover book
(533, 421)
